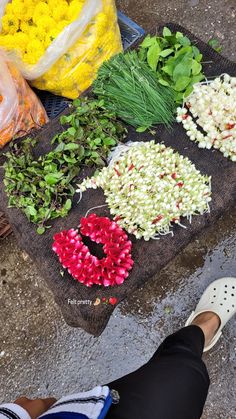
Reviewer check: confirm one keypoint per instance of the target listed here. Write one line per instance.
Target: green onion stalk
(131, 90)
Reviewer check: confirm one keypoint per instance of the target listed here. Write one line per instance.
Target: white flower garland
(213, 106)
(149, 187)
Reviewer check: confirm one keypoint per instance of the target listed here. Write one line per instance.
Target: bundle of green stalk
(131, 90)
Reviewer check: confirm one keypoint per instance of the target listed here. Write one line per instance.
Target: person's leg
(174, 383)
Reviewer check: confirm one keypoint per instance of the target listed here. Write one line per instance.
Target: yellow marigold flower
(34, 50)
(109, 10)
(19, 8)
(82, 72)
(66, 83)
(41, 21)
(25, 27)
(28, 59)
(28, 15)
(40, 83)
(2, 39)
(9, 9)
(21, 40)
(50, 84)
(70, 93)
(51, 35)
(10, 24)
(60, 12)
(61, 25)
(46, 23)
(93, 52)
(32, 58)
(40, 10)
(85, 84)
(101, 24)
(38, 33)
(75, 9)
(17, 3)
(7, 42)
(51, 4)
(53, 72)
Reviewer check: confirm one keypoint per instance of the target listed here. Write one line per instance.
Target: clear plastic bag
(70, 63)
(20, 109)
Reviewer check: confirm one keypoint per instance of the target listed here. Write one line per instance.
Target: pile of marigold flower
(30, 26)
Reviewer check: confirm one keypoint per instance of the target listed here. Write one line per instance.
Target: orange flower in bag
(20, 109)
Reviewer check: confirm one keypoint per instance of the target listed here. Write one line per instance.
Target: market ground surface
(40, 354)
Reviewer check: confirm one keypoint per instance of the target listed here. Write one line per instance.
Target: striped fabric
(93, 404)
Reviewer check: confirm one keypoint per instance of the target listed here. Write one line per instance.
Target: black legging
(172, 385)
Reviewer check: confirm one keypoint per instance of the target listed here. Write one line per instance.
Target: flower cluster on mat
(87, 268)
(209, 115)
(149, 187)
(30, 26)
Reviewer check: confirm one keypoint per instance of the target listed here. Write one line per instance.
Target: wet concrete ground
(205, 18)
(41, 355)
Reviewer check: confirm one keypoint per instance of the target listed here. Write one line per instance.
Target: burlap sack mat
(150, 256)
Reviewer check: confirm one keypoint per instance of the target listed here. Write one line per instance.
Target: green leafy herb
(175, 60)
(214, 43)
(43, 187)
(130, 89)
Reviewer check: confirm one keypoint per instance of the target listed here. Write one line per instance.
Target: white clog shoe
(220, 298)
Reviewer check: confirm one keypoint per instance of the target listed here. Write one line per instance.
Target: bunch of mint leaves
(43, 188)
(175, 60)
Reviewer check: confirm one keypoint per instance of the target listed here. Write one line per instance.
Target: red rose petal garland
(86, 268)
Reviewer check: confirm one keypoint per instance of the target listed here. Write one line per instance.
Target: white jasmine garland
(212, 108)
(149, 187)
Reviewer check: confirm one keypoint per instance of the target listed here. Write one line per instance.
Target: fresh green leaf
(163, 82)
(148, 41)
(77, 103)
(179, 97)
(142, 54)
(166, 32)
(71, 147)
(182, 83)
(94, 154)
(141, 129)
(177, 46)
(198, 78)
(31, 210)
(196, 67)
(214, 43)
(109, 141)
(68, 204)
(179, 35)
(70, 160)
(53, 178)
(71, 131)
(64, 119)
(168, 69)
(198, 58)
(153, 56)
(184, 41)
(184, 51)
(166, 52)
(196, 51)
(41, 230)
(60, 147)
(188, 91)
(183, 69)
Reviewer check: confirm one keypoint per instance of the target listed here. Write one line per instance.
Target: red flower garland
(86, 268)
